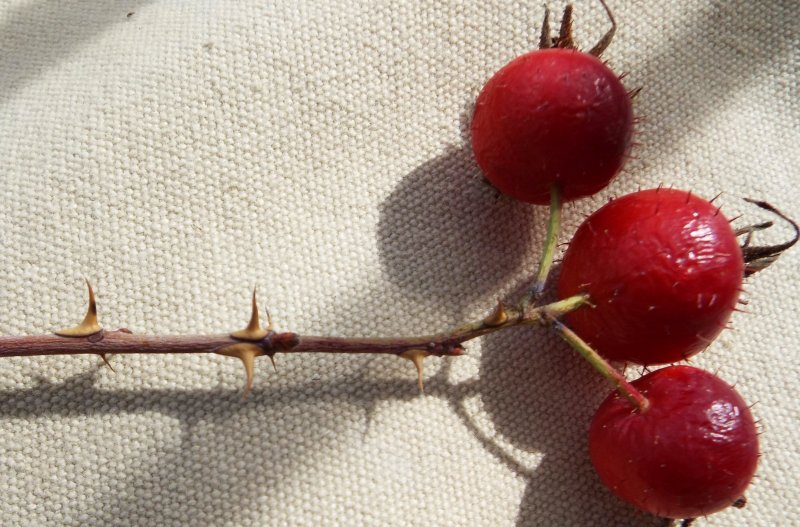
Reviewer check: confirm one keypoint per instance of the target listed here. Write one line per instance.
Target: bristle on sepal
(89, 325)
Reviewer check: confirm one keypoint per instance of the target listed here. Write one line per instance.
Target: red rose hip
(552, 117)
(692, 452)
(663, 269)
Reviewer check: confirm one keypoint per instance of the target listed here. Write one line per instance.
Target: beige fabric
(178, 153)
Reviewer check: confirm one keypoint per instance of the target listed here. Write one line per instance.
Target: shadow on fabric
(525, 376)
(37, 35)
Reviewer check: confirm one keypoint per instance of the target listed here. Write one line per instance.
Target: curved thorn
(498, 316)
(272, 360)
(89, 325)
(417, 357)
(269, 319)
(419, 365)
(255, 322)
(246, 353)
(92, 302)
(605, 41)
(249, 371)
(105, 359)
(253, 331)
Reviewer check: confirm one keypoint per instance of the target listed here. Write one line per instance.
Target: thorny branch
(254, 341)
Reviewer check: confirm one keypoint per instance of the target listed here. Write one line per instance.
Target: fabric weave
(178, 153)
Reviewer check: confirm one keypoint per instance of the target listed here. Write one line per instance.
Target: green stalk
(600, 364)
(567, 305)
(550, 241)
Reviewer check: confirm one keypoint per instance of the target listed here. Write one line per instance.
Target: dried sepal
(758, 258)
(565, 40)
(605, 41)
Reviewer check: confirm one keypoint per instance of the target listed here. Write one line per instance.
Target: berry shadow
(444, 233)
(540, 397)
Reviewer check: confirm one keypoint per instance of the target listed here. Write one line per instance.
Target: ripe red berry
(692, 452)
(552, 117)
(663, 269)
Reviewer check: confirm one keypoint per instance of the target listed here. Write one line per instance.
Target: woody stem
(124, 342)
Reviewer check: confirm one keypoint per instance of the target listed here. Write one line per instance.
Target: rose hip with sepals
(692, 452)
(555, 117)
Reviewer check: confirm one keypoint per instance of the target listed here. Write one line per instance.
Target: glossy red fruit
(552, 116)
(663, 269)
(691, 453)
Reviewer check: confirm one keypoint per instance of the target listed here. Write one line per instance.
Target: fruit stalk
(549, 249)
(622, 385)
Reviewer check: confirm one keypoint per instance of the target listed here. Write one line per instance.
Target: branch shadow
(417, 222)
(196, 481)
(707, 60)
(37, 35)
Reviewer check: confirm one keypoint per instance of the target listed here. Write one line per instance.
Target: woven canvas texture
(179, 153)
